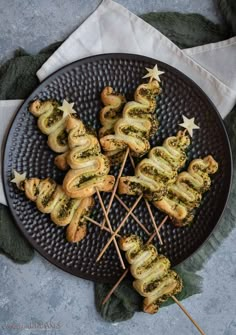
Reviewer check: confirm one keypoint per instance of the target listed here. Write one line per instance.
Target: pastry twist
(186, 193)
(89, 167)
(80, 151)
(64, 211)
(109, 115)
(112, 110)
(153, 278)
(160, 169)
(51, 123)
(134, 128)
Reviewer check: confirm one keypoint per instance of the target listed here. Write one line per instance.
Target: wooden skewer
(118, 228)
(132, 214)
(162, 222)
(116, 285)
(153, 221)
(127, 270)
(110, 227)
(188, 315)
(116, 185)
(132, 161)
(98, 224)
(103, 208)
(153, 235)
(127, 208)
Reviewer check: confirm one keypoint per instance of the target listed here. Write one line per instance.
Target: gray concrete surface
(40, 295)
(33, 24)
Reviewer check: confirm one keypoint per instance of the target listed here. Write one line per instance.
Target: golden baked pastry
(64, 211)
(89, 167)
(160, 169)
(109, 115)
(137, 122)
(79, 150)
(185, 194)
(51, 122)
(112, 110)
(153, 278)
(57, 140)
(61, 161)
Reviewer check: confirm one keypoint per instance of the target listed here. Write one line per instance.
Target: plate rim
(42, 85)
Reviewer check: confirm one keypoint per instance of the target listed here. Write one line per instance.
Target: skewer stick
(98, 224)
(109, 225)
(132, 214)
(188, 315)
(115, 286)
(127, 270)
(153, 221)
(162, 222)
(151, 238)
(127, 209)
(118, 228)
(132, 161)
(116, 185)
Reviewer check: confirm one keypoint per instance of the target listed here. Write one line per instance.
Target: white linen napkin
(219, 59)
(112, 28)
(8, 110)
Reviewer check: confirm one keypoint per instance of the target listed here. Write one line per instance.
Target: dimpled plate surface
(26, 150)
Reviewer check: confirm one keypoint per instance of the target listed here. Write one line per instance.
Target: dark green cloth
(228, 11)
(187, 30)
(18, 79)
(18, 75)
(125, 301)
(12, 243)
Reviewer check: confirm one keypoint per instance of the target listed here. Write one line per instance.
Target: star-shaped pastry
(153, 73)
(67, 108)
(18, 178)
(189, 125)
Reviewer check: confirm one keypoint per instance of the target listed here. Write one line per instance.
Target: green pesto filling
(130, 129)
(54, 117)
(66, 208)
(83, 179)
(62, 138)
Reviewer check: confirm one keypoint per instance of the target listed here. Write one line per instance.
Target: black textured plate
(26, 150)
